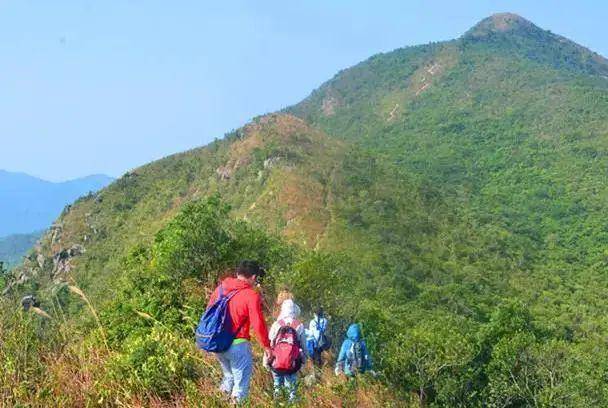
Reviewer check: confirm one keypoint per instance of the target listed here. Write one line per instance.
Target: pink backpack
(286, 351)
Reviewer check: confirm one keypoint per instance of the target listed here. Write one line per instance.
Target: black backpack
(324, 342)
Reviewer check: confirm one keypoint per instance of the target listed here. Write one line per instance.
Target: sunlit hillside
(450, 197)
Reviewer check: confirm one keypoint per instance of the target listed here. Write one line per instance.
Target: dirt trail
(422, 88)
(432, 70)
(391, 115)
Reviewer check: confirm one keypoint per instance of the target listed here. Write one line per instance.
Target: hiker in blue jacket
(354, 357)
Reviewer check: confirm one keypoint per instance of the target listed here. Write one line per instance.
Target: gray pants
(237, 366)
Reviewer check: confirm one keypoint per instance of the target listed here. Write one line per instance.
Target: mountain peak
(540, 45)
(506, 21)
(502, 23)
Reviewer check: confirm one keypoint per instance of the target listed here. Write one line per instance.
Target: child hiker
(281, 297)
(353, 357)
(288, 343)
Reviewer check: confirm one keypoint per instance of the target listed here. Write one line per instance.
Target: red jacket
(245, 310)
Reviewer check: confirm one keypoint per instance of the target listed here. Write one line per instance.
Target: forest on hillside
(449, 198)
(434, 342)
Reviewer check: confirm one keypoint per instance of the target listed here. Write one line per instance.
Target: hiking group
(235, 307)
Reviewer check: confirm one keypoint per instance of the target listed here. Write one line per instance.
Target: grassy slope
(287, 195)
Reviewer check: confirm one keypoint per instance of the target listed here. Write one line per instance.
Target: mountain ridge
(449, 196)
(503, 22)
(99, 177)
(425, 68)
(510, 27)
(28, 203)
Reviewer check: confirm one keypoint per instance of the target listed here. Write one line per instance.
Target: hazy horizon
(84, 176)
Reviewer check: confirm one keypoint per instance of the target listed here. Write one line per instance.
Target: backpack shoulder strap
(228, 297)
(232, 293)
(228, 294)
(350, 350)
(321, 325)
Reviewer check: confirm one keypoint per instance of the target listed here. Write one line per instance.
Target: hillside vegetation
(449, 197)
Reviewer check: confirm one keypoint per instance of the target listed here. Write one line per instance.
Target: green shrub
(161, 296)
(433, 358)
(157, 362)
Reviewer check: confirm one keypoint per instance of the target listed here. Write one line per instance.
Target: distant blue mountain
(29, 204)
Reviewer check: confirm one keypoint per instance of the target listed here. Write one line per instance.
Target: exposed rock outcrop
(271, 162)
(329, 105)
(223, 173)
(62, 260)
(55, 233)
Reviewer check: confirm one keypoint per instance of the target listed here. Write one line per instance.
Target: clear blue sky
(105, 86)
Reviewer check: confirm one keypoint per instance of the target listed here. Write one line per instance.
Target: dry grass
(77, 291)
(74, 377)
(70, 369)
(328, 391)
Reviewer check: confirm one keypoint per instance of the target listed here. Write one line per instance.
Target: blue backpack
(214, 331)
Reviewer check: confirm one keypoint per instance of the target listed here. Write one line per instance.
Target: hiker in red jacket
(245, 309)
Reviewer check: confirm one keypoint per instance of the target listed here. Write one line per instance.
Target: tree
(3, 272)
(432, 358)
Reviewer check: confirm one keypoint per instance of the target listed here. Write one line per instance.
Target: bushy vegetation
(439, 356)
(448, 197)
(144, 336)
